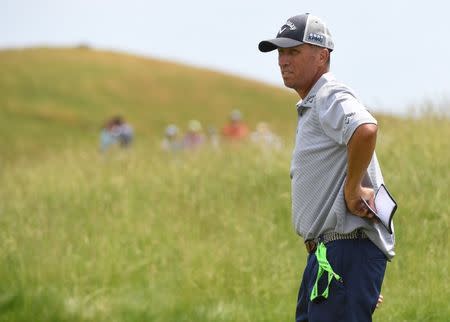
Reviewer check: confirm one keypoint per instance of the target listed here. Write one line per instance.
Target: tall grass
(143, 236)
(140, 235)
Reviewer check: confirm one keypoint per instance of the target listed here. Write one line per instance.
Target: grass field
(140, 235)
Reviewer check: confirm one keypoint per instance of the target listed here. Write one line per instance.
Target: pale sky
(392, 53)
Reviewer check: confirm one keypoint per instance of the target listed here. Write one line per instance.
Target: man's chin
(288, 84)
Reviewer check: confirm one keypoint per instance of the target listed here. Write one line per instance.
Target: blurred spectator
(116, 131)
(108, 136)
(213, 136)
(194, 137)
(235, 129)
(171, 141)
(126, 133)
(264, 137)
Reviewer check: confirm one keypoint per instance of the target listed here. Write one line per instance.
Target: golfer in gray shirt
(333, 168)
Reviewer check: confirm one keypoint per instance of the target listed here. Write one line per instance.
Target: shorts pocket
(375, 267)
(331, 308)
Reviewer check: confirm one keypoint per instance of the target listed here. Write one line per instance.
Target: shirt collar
(309, 99)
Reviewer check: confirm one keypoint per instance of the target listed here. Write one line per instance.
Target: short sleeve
(340, 114)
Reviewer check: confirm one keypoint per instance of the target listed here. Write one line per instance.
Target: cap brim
(272, 44)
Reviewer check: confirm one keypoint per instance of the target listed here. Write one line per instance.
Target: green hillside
(56, 96)
(140, 235)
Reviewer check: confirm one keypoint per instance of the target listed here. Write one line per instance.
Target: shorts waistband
(311, 244)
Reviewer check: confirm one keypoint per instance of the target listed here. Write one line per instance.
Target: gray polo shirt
(328, 117)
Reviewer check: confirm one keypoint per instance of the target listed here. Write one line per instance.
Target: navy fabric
(361, 265)
(287, 36)
(299, 32)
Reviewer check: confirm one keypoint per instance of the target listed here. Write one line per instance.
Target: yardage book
(385, 207)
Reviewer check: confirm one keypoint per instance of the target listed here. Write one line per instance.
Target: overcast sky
(393, 53)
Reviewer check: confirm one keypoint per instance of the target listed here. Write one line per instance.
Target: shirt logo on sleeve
(349, 117)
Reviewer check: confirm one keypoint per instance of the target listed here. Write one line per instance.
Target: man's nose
(282, 60)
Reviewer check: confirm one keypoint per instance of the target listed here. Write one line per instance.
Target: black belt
(311, 244)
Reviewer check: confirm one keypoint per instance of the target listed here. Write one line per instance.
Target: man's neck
(304, 92)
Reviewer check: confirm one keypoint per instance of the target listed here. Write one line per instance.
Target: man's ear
(324, 56)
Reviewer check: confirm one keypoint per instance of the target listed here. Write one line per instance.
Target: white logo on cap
(289, 24)
(316, 37)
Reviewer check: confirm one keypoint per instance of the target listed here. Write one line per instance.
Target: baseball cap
(301, 29)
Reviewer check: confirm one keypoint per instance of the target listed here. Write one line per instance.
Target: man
(333, 168)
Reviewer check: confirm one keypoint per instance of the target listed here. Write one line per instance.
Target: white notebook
(385, 207)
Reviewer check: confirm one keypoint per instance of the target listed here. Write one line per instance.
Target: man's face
(299, 67)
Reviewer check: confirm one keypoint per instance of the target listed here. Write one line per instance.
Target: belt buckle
(359, 234)
(311, 246)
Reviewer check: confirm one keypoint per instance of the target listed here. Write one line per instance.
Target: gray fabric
(317, 33)
(328, 117)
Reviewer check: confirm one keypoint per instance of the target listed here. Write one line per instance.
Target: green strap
(324, 265)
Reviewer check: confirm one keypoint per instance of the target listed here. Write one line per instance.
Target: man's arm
(360, 149)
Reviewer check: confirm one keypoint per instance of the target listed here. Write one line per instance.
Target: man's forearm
(360, 151)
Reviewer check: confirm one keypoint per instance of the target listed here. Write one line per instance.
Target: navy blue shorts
(361, 265)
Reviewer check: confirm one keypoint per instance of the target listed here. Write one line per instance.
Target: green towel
(324, 266)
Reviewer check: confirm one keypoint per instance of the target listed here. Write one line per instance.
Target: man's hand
(380, 301)
(354, 203)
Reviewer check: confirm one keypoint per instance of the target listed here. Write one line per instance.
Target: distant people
(265, 138)
(126, 134)
(107, 136)
(116, 131)
(213, 136)
(171, 141)
(235, 129)
(194, 137)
